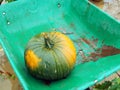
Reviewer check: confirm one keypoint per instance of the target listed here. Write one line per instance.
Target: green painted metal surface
(90, 28)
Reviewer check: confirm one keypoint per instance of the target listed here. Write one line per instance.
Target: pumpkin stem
(48, 43)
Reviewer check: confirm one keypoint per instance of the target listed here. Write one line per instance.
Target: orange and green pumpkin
(50, 56)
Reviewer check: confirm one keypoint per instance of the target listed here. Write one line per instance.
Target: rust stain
(86, 40)
(109, 50)
(104, 52)
(95, 41)
(91, 43)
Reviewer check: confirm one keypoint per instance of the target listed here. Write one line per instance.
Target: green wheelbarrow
(96, 36)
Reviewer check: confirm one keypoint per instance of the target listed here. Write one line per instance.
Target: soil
(8, 80)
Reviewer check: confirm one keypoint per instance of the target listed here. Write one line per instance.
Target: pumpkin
(50, 56)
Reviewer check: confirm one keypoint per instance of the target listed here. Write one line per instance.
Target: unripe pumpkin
(50, 56)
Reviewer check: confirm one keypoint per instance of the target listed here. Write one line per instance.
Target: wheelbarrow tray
(88, 27)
